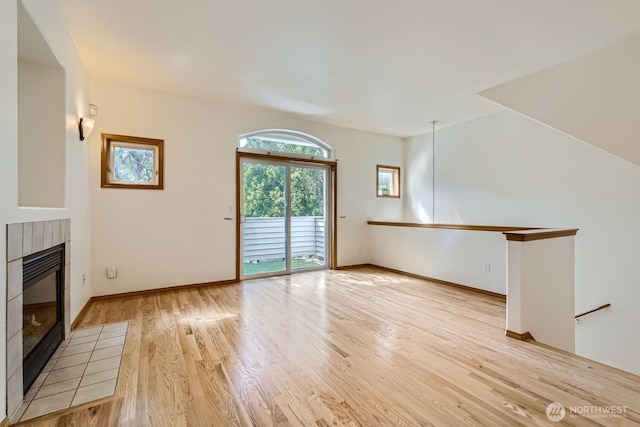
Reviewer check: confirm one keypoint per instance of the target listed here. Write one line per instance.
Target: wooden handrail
(593, 311)
(539, 234)
(518, 234)
(498, 228)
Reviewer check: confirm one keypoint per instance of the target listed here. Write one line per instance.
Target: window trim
(285, 132)
(106, 159)
(395, 170)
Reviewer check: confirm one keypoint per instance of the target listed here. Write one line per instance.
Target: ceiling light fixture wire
(433, 172)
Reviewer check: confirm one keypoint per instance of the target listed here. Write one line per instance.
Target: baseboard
(526, 336)
(5, 422)
(442, 282)
(353, 266)
(80, 315)
(161, 290)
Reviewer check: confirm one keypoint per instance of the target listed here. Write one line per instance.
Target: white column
(541, 286)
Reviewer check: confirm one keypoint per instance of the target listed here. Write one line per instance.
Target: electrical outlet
(112, 273)
(486, 268)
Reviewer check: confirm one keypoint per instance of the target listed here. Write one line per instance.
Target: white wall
(48, 19)
(41, 135)
(505, 169)
(178, 235)
(594, 97)
(456, 256)
(8, 162)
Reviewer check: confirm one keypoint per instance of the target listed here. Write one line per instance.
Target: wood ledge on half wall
(519, 234)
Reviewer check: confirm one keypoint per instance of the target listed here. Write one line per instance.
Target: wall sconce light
(86, 124)
(86, 127)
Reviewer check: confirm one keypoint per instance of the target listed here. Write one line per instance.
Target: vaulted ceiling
(376, 65)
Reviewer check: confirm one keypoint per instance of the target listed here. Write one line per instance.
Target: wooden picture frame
(132, 162)
(389, 186)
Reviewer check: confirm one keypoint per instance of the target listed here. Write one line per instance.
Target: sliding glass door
(263, 227)
(284, 211)
(308, 214)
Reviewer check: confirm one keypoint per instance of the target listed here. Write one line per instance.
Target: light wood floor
(360, 347)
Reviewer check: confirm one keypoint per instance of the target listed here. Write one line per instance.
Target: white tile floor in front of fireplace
(84, 368)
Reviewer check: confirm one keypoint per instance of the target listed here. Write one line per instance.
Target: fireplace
(42, 309)
(29, 241)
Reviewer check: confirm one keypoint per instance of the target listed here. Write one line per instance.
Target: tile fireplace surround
(24, 239)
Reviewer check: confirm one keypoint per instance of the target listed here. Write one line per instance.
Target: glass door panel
(263, 228)
(308, 214)
(284, 212)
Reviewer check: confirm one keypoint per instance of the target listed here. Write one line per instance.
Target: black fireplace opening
(42, 310)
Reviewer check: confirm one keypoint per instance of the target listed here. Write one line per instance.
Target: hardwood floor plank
(362, 347)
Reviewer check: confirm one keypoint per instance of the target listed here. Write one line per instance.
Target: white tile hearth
(48, 405)
(89, 379)
(62, 374)
(102, 365)
(84, 368)
(94, 392)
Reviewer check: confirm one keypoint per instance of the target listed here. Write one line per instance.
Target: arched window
(285, 142)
